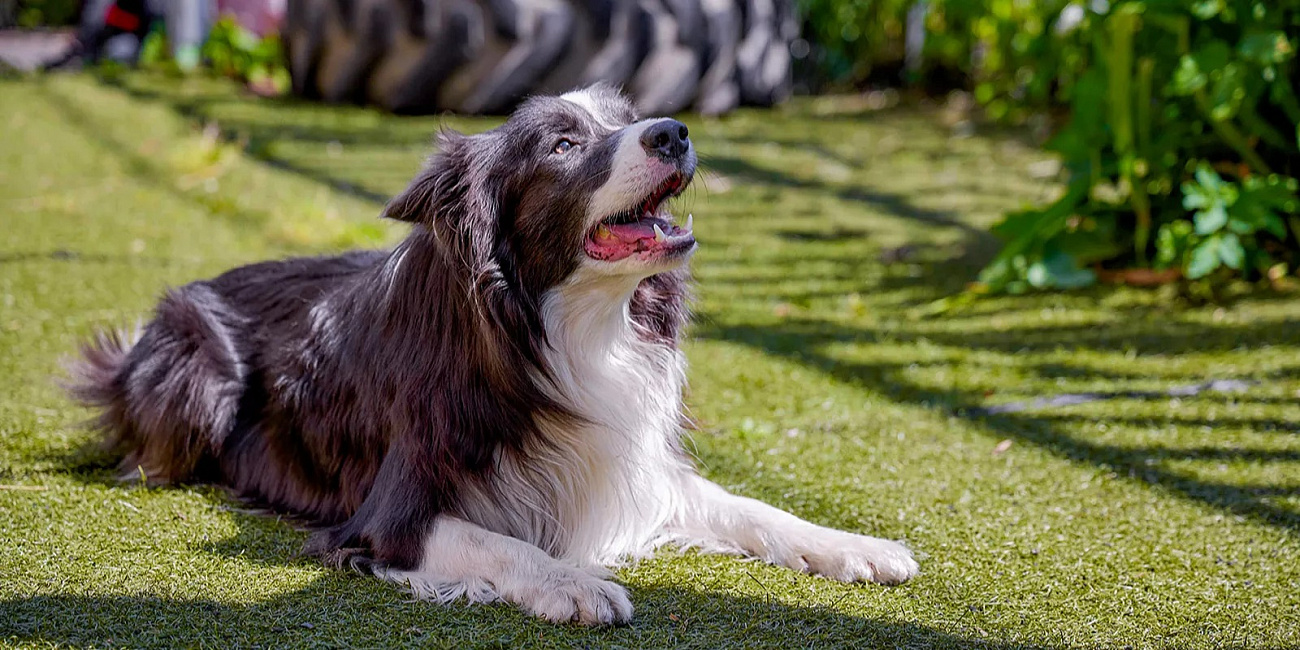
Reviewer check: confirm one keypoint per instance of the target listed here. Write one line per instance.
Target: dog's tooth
(690, 221)
(603, 232)
(659, 234)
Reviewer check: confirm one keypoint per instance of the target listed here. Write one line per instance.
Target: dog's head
(569, 186)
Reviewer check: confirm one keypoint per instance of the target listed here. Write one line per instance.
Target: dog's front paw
(578, 596)
(850, 558)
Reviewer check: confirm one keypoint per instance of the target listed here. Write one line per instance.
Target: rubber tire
(484, 56)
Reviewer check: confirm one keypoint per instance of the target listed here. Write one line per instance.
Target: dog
(493, 410)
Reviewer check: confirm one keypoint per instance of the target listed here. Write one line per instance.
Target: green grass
(821, 383)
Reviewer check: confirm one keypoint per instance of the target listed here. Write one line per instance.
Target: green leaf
(1231, 251)
(1092, 244)
(243, 39)
(1269, 48)
(998, 274)
(257, 73)
(1275, 225)
(1208, 178)
(1188, 78)
(1086, 130)
(1228, 92)
(1213, 57)
(1171, 243)
(1022, 229)
(1039, 276)
(1194, 198)
(1166, 247)
(1241, 227)
(1076, 279)
(1204, 260)
(1211, 219)
(1275, 192)
(1207, 9)
(1059, 270)
(1262, 202)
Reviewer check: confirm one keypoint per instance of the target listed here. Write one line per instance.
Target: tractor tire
(484, 56)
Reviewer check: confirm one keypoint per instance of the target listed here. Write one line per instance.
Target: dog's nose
(667, 139)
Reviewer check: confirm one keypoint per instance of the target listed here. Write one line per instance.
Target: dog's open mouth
(646, 230)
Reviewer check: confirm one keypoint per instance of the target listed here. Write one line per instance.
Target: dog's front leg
(463, 559)
(714, 519)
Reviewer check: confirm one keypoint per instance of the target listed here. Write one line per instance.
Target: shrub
(234, 51)
(1181, 138)
(1015, 55)
(1182, 149)
(231, 50)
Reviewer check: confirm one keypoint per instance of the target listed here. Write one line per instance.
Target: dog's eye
(563, 145)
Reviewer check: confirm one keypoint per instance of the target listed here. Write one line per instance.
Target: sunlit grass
(1143, 519)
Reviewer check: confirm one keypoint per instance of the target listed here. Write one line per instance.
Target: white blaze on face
(633, 174)
(588, 103)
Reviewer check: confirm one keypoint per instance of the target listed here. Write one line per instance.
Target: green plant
(236, 52)
(230, 51)
(1016, 56)
(1184, 126)
(1231, 223)
(1175, 108)
(43, 13)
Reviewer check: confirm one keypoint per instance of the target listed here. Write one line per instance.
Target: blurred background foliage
(1017, 56)
(40, 13)
(231, 50)
(1176, 120)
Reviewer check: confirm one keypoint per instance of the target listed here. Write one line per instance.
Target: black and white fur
(489, 411)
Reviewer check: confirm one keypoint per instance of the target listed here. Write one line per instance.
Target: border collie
(490, 411)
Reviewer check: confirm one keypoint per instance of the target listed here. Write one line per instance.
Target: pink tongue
(623, 240)
(629, 233)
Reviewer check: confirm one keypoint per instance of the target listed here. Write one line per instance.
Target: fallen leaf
(1002, 447)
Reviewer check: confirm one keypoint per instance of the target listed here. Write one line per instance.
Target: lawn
(823, 379)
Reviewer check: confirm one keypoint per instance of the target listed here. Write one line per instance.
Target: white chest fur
(601, 489)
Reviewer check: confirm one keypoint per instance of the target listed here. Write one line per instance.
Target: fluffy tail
(168, 395)
(96, 379)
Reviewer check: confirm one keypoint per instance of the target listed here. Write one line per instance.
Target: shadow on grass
(139, 167)
(89, 258)
(352, 611)
(884, 202)
(258, 139)
(344, 609)
(805, 341)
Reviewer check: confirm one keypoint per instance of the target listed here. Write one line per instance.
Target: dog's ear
(443, 186)
(413, 203)
(453, 197)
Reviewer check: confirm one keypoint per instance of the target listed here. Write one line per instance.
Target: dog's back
(178, 398)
